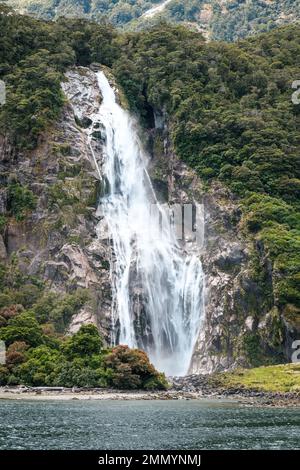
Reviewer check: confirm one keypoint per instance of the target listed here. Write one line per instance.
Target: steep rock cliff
(57, 240)
(63, 240)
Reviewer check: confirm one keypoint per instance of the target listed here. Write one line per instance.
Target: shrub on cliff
(59, 309)
(86, 342)
(131, 368)
(20, 200)
(23, 327)
(16, 353)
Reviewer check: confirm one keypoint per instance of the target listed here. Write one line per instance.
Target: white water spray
(157, 287)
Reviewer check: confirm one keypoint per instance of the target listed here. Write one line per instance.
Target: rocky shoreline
(63, 393)
(181, 388)
(205, 386)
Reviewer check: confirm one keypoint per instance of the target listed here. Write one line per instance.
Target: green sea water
(193, 424)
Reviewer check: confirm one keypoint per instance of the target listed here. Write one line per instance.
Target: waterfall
(157, 287)
(156, 9)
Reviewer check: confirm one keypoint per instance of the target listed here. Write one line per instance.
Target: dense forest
(231, 118)
(222, 20)
(117, 12)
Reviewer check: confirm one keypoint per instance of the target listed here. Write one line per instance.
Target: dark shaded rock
(83, 122)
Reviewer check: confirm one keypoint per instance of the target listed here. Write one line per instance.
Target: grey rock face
(235, 301)
(58, 240)
(3, 253)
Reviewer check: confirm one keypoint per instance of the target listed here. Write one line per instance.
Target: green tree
(130, 368)
(23, 327)
(85, 342)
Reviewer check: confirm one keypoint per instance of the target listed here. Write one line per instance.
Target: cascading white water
(157, 287)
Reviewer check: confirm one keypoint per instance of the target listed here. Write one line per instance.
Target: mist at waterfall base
(157, 286)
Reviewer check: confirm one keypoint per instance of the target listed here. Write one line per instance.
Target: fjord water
(165, 316)
(107, 424)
